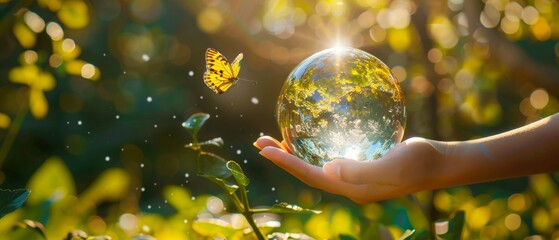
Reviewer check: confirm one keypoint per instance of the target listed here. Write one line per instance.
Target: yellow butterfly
(220, 75)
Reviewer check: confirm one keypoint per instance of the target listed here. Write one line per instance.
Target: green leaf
(52, 180)
(284, 207)
(237, 172)
(213, 165)
(407, 234)
(194, 123)
(289, 236)
(377, 231)
(346, 237)
(215, 228)
(178, 197)
(10, 200)
(214, 168)
(34, 225)
(455, 226)
(265, 227)
(218, 142)
(230, 188)
(111, 185)
(77, 234)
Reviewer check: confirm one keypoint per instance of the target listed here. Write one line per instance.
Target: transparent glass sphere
(341, 103)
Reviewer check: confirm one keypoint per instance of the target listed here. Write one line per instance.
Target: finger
(286, 146)
(309, 174)
(264, 141)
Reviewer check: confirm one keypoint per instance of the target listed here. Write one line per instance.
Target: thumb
(356, 172)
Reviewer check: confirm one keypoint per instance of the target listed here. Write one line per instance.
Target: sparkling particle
(241, 115)
(107, 158)
(142, 165)
(216, 116)
(201, 97)
(238, 151)
(273, 189)
(174, 116)
(149, 99)
(104, 54)
(261, 134)
(117, 116)
(186, 175)
(245, 161)
(193, 198)
(145, 57)
(149, 206)
(155, 125)
(79, 122)
(254, 100)
(143, 189)
(124, 72)
(190, 73)
(185, 221)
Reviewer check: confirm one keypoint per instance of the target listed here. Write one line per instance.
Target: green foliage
(11, 200)
(219, 171)
(33, 225)
(45, 81)
(455, 226)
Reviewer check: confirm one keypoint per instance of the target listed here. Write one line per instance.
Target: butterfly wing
(219, 75)
(236, 65)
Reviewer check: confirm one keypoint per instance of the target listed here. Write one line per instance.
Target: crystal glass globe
(341, 103)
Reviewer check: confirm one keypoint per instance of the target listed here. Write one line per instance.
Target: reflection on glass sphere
(341, 103)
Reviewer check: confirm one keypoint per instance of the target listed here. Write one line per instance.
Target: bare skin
(420, 164)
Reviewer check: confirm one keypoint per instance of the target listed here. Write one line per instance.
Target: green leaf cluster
(230, 176)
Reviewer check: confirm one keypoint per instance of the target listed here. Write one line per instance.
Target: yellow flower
(5, 121)
(38, 82)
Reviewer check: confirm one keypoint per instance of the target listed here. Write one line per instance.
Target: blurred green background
(93, 94)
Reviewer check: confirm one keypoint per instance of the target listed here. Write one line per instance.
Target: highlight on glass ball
(341, 103)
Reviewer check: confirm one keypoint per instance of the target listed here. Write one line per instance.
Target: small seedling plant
(229, 176)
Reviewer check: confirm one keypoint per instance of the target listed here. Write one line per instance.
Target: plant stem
(247, 212)
(12, 131)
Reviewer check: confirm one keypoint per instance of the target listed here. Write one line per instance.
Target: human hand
(416, 164)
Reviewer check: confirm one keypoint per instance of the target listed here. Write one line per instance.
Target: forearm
(528, 150)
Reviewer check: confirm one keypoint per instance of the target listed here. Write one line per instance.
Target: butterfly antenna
(248, 80)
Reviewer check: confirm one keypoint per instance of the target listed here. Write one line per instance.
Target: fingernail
(332, 169)
(254, 144)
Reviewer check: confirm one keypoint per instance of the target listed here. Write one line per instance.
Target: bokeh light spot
(5, 121)
(68, 45)
(34, 21)
(539, 98)
(88, 71)
(479, 217)
(210, 20)
(74, 14)
(55, 31)
(530, 15)
(30, 57)
(513, 221)
(517, 202)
